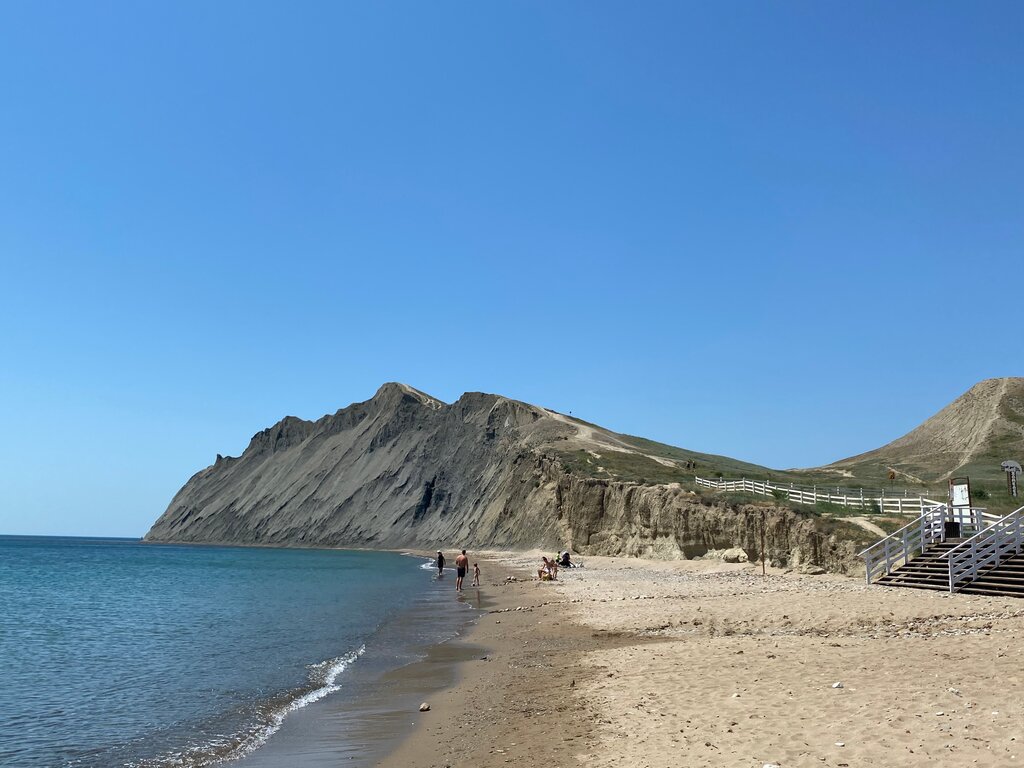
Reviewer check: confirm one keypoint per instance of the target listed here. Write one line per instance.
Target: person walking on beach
(440, 563)
(476, 574)
(461, 563)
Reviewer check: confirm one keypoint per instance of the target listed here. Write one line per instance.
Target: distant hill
(971, 436)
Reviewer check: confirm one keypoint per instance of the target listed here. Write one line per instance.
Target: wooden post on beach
(764, 557)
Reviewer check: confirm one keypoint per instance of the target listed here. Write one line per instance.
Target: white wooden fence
(861, 498)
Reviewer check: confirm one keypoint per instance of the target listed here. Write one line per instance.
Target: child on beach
(476, 574)
(548, 570)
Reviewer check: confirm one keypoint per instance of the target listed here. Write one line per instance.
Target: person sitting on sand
(548, 571)
(564, 560)
(476, 574)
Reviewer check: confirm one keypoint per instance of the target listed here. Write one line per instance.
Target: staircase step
(930, 570)
(997, 581)
(921, 567)
(915, 583)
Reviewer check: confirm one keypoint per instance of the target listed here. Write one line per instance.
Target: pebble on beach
(424, 707)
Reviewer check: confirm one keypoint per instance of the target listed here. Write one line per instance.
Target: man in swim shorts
(461, 563)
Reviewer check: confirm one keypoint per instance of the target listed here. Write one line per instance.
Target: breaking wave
(269, 716)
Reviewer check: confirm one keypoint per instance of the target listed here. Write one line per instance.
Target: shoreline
(516, 702)
(490, 685)
(379, 696)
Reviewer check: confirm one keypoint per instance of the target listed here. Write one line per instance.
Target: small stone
(837, 685)
(939, 714)
(840, 743)
(424, 707)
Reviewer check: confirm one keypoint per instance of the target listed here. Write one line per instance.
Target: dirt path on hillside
(867, 525)
(977, 437)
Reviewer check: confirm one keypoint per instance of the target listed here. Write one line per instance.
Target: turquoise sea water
(118, 653)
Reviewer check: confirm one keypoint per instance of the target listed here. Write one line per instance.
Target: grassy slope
(983, 469)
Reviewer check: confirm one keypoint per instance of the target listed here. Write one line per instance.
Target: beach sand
(698, 663)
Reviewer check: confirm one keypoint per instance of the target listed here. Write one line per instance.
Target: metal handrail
(985, 549)
(905, 543)
(898, 533)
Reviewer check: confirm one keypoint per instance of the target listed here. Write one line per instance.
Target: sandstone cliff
(406, 470)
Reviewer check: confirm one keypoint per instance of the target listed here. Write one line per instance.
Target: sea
(118, 653)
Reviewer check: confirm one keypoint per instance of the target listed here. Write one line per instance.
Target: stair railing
(986, 549)
(881, 557)
(970, 520)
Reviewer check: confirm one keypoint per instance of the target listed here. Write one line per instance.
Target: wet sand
(381, 691)
(517, 702)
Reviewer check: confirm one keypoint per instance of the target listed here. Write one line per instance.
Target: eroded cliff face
(603, 517)
(406, 470)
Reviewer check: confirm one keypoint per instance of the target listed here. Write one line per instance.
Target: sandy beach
(630, 662)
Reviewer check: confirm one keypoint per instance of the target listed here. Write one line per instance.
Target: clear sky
(787, 232)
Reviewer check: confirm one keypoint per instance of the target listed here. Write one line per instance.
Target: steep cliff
(405, 469)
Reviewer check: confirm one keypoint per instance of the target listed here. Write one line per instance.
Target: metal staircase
(952, 550)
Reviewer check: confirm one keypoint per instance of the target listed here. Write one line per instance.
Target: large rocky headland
(404, 469)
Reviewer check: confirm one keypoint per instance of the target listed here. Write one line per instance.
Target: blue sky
(786, 232)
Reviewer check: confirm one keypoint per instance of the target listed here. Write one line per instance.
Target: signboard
(960, 492)
(1012, 469)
